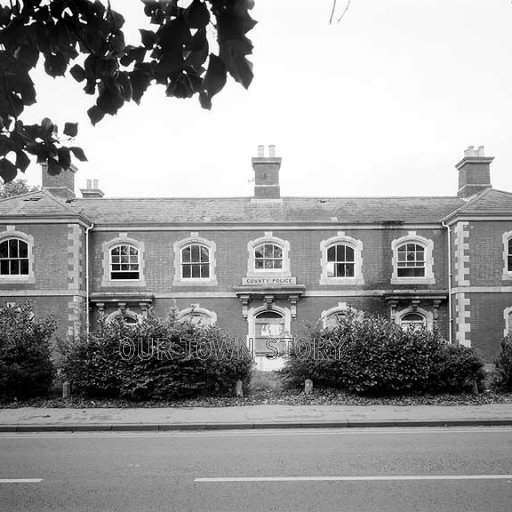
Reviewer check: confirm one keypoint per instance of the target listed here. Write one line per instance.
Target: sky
(381, 103)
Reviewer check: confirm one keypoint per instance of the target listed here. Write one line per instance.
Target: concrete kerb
(343, 424)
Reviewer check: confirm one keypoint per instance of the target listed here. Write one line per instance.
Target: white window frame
(342, 307)
(507, 274)
(11, 233)
(196, 310)
(428, 246)
(428, 315)
(342, 239)
(107, 247)
(126, 313)
(194, 239)
(507, 316)
(268, 238)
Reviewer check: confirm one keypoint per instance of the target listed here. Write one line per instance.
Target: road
(458, 469)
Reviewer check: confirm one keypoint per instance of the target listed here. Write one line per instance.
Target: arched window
(507, 255)
(124, 262)
(14, 257)
(412, 321)
(195, 262)
(128, 317)
(341, 260)
(268, 256)
(331, 317)
(198, 316)
(411, 260)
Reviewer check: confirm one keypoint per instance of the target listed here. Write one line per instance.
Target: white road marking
(20, 480)
(256, 432)
(351, 478)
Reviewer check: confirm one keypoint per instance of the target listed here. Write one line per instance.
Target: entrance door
(270, 341)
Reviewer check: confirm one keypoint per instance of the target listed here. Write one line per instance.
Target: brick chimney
(474, 172)
(62, 184)
(92, 190)
(266, 174)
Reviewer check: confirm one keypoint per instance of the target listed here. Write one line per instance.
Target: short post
(66, 389)
(475, 388)
(239, 392)
(308, 386)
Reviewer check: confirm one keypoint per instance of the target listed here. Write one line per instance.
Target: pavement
(32, 419)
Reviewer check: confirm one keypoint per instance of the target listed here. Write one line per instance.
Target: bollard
(66, 390)
(239, 392)
(475, 388)
(308, 386)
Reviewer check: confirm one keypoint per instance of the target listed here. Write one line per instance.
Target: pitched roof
(39, 203)
(309, 210)
(488, 202)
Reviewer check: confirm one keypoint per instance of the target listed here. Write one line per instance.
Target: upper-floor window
(124, 262)
(14, 259)
(507, 255)
(268, 257)
(413, 259)
(16, 256)
(194, 262)
(341, 260)
(268, 254)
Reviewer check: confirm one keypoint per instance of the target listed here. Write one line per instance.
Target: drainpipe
(87, 277)
(450, 319)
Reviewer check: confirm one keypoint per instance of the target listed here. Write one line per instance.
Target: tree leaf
(148, 38)
(71, 129)
(95, 114)
(8, 170)
(64, 157)
(197, 14)
(78, 73)
(78, 153)
(54, 167)
(22, 161)
(215, 78)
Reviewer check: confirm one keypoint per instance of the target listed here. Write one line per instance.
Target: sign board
(269, 281)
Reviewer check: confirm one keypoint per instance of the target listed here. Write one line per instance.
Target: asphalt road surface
(458, 469)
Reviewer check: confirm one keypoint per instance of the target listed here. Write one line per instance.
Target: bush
(26, 369)
(160, 359)
(503, 374)
(372, 355)
(456, 369)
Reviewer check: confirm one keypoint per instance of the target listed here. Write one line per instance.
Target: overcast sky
(382, 103)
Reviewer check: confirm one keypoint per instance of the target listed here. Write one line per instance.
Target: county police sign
(269, 281)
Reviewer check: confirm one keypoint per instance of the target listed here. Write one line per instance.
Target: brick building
(263, 266)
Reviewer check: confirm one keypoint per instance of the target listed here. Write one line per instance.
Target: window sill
(195, 282)
(340, 281)
(269, 273)
(122, 283)
(507, 276)
(28, 279)
(413, 280)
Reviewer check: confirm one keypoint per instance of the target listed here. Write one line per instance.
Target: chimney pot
(89, 185)
(261, 151)
(272, 151)
(95, 184)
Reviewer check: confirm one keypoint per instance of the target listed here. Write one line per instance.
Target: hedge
(503, 375)
(160, 359)
(372, 355)
(26, 368)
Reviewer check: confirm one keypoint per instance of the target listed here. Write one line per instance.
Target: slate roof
(290, 210)
(488, 202)
(40, 203)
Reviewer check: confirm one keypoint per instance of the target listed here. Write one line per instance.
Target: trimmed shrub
(503, 373)
(160, 359)
(26, 368)
(372, 355)
(456, 369)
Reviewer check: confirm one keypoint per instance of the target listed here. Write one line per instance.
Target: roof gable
(39, 203)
